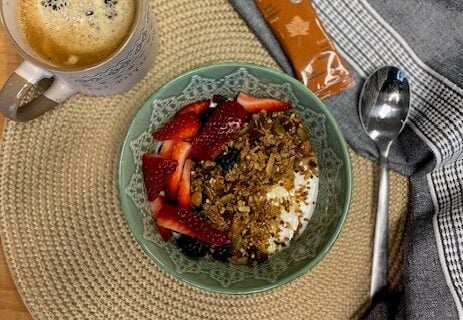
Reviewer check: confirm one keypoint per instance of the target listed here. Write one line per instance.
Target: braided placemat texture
(67, 244)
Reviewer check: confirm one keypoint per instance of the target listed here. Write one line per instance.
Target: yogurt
(295, 216)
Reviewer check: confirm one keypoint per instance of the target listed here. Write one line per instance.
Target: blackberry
(219, 99)
(228, 159)
(192, 247)
(222, 253)
(206, 114)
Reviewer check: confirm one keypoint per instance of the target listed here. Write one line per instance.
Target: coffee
(75, 33)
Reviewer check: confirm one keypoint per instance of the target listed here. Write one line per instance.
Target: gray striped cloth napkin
(425, 38)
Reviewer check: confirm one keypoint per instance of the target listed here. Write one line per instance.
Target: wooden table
(11, 305)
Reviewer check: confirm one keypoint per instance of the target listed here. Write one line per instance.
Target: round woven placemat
(66, 241)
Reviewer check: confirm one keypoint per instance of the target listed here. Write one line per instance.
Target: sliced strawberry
(156, 205)
(188, 222)
(180, 152)
(221, 126)
(184, 195)
(255, 105)
(166, 149)
(156, 170)
(165, 233)
(196, 107)
(182, 126)
(168, 218)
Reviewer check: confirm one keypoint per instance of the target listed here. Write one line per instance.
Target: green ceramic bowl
(334, 188)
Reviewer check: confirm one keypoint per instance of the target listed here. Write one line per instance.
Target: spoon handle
(380, 247)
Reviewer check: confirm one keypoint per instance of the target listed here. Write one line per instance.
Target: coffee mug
(115, 74)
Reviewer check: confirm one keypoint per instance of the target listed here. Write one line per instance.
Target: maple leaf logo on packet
(298, 27)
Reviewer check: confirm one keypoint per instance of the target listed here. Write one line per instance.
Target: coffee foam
(75, 33)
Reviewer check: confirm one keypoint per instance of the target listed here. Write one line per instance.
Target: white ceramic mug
(118, 73)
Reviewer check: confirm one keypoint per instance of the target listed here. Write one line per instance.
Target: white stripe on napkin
(445, 270)
(436, 117)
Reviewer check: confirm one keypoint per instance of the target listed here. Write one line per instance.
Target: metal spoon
(383, 109)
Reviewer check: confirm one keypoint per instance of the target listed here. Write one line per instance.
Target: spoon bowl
(384, 106)
(383, 109)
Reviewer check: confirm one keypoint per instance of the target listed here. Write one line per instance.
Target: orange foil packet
(315, 60)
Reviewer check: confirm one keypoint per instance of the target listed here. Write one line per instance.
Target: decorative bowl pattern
(334, 167)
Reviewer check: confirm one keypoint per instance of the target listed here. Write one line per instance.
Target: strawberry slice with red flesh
(156, 205)
(220, 128)
(180, 152)
(167, 217)
(255, 105)
(196, 107)
(166, 149)
(188, 222)
(182, 126)
(184, 195)
(156, 171)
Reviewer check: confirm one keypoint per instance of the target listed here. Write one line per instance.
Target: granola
(244, 198)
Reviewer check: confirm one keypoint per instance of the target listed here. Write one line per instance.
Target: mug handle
(17, 86)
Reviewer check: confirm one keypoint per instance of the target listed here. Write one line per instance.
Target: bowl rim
(346, 199)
